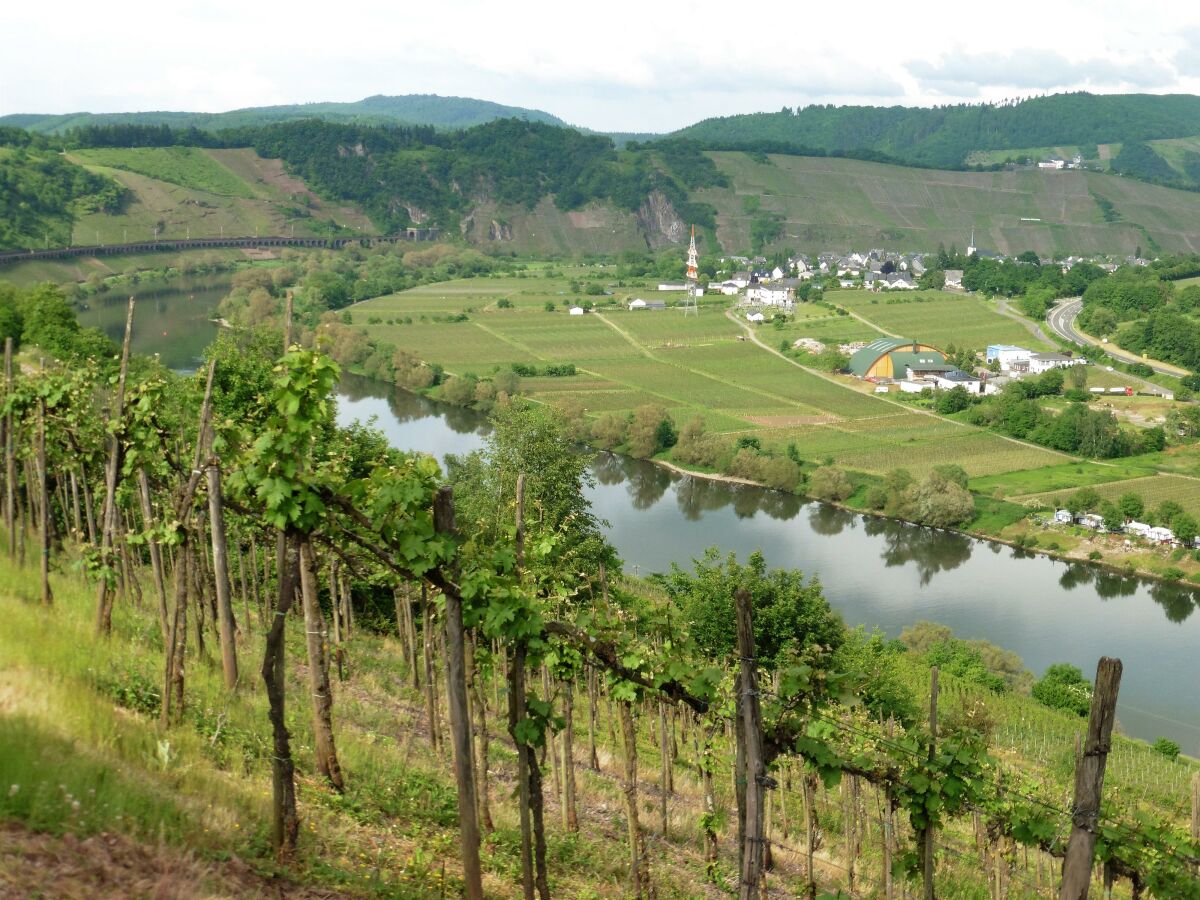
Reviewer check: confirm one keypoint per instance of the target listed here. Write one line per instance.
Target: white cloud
(619, 64)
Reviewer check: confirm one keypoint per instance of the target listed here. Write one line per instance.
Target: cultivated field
(692, 366)
(939, 318)
(1153, 489)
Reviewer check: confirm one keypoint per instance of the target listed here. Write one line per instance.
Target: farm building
(576, 310)
(897, 358)
(1010, 356)
(1043, 362)
(956, 378)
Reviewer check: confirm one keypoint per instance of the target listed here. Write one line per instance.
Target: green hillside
(947, 136)
(834, 203)
(409, 109)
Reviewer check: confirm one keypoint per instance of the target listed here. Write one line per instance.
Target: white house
(1044, 362)
(954, 279)
(901, 281)
(777, 273)
(775, 293)
(1011, 357)
(729, 287)
(1160, 535)
(1138, 529)
(1052, 164)
(577, 310)
(1090, 520)
(957, 378)
(755, 317)
(639, 303)
(1063, 516)
(741, 279)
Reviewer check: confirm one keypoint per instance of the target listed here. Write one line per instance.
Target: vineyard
(355, 671)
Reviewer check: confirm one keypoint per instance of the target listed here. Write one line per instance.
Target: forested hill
(408, 109)
(946, 136)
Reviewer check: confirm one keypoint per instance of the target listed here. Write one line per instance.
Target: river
(875, 572)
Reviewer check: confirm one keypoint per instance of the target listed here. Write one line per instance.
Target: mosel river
(877, 573)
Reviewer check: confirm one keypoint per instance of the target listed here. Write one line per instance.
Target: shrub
(1064, 687)
(1173, 573)
(1166, 747)
(1095, 554)
(829, 483)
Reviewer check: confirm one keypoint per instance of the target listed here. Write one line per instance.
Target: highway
(1061, 320)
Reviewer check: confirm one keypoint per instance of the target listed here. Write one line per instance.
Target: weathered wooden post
(1089, 782)
(756, 769)
(460, 718)
(928, 837)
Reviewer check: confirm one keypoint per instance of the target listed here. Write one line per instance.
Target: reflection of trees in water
(1177, 601)
(646, 481)
(696, 496)
(1111, 585)
(931, 550)
(829, 520)
(1075, 575)
(607, 468)
(780, 505)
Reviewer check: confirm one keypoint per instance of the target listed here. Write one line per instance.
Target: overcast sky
(613, 65)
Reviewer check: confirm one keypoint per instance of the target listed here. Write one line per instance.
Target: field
(692, 366)
(839, 204)
(939, 318)
(188, 192)
(1153, 489)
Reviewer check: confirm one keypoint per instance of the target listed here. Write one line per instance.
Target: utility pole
(1089, 782)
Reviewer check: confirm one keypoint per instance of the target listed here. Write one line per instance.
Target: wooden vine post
(928, 838)
(10, 468)
(460, 717)
(516, 713)
(1089, 782)
(226, 627)
(750, 726)
(43, 499)
(108, 519)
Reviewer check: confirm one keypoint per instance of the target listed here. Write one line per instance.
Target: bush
(829, 483)
(1095, 554)
(1064, 687)
(1173, 573)
(1166, 747)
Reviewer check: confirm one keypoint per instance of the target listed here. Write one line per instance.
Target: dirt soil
(111, 866)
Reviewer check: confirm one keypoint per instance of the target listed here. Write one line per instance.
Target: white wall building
(1044, 362)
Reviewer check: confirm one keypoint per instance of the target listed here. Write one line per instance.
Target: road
(1061, 320)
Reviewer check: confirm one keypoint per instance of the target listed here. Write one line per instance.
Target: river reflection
(875, 572)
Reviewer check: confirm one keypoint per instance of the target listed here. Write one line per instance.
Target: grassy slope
(80, 740)
(840, 203)
(204, 193)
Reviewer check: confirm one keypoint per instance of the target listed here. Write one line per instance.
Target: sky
(615, 65)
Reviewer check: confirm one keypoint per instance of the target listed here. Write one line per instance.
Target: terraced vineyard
(1153, 489)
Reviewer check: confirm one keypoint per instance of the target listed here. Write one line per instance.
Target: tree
(954, 400)
(1083, 500)
(780, 473)
(791, 615)
(1078, 376)
(1112, 515)
(942, 502)
(1185, 528)
(1131, 505)
(608, 431)
(829, 483)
